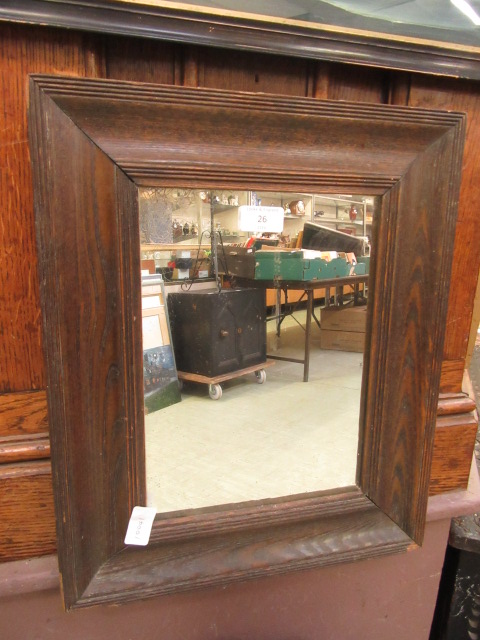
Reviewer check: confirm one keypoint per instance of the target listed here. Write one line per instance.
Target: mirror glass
(254, 319)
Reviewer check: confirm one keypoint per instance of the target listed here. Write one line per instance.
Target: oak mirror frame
(93, 143)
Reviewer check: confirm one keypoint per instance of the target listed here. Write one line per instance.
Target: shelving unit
(192, 207)
(336, 213)
(293, 224)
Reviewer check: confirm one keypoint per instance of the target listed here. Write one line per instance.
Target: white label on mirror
(258, 219)
(140, 526)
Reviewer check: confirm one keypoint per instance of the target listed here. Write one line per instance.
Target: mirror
(199, 454)
(107, 139)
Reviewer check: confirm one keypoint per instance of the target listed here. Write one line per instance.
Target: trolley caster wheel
(261, 376)
(215, 391)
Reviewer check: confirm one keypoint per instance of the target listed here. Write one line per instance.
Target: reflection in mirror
(266, 315)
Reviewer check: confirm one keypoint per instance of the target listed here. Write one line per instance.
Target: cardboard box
(347, 319)
(342, 340)
(181, 274)
(148, 265)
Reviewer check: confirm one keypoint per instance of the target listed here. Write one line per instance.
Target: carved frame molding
(93, 142)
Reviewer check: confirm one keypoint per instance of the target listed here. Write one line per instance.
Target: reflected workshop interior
(254, 320)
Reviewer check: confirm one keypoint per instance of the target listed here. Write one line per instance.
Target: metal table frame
(308, 287)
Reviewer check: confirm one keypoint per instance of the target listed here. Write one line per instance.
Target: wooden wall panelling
(23, 448)
(452, 403)
(244, 71)
(399, 88)
(452, 452)
(27, 519)
(320, 80)
(24, 50)
(143, 60)
(23, 426)
(27, 523)
(23, 414)
(190, 67)
(452, 372)
(358, 84)
(454, 442)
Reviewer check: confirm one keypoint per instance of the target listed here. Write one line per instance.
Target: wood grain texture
(245, 71)
(237, 32)
(360, 84)
(23, 414)
(142, 60)
(451, 378)
(109, 136)
(409, 221)
(23, 51)
(454, 403)
(452, 455)
(312, 544)
(454, 442)
(461, 96)
(22, 448)
(94, 255)
(27, 518)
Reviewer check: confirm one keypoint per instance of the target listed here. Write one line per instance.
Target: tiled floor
(259, 441)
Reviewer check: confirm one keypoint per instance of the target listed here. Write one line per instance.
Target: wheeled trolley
(214, 387)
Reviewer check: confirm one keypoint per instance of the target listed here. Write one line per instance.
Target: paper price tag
(140, 526)
(258, 219)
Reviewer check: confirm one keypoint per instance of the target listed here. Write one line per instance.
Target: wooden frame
(93, 142)
(237, 30)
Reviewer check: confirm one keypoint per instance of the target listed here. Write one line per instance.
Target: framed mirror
(94, 144)
(312, 330)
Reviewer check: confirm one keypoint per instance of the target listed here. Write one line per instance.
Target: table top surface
(303, 285)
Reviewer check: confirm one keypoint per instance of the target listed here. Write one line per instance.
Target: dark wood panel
(110, 290)
(398, 88)
(24, 50)
(359, 84)
(242, 71)
(460, 96)
(143, 60)
(452, 453)
(27, 519)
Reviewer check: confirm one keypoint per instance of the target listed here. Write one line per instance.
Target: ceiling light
(466, 9)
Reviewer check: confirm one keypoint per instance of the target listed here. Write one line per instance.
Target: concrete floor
(283, 437)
